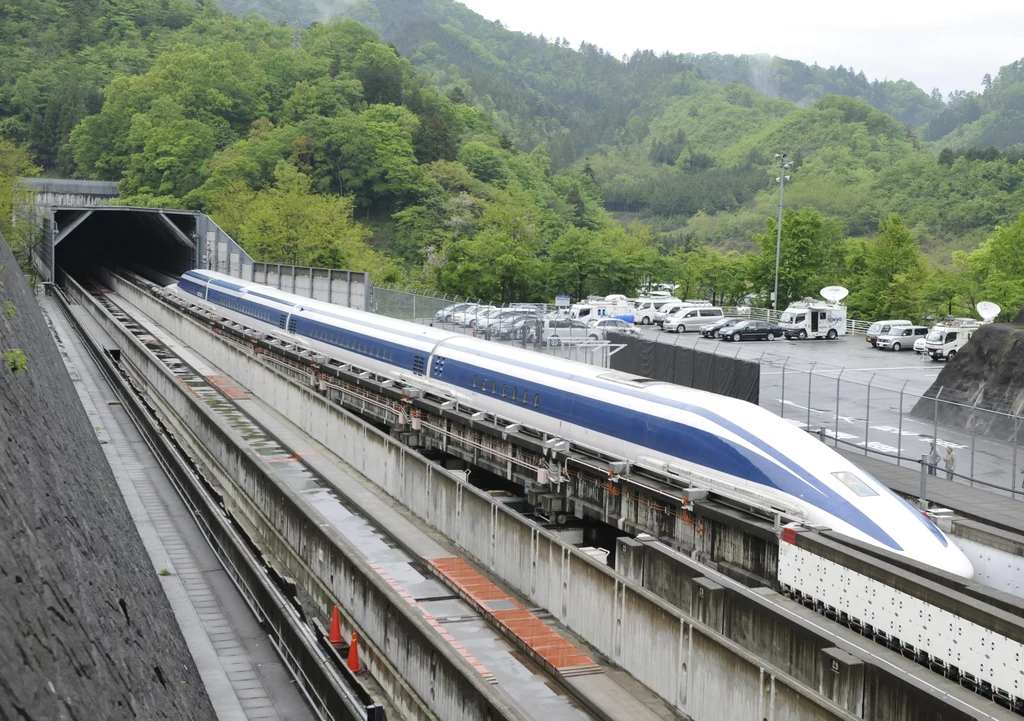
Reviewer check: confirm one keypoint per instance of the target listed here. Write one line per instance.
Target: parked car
(901, 337)
(752, 330)
(466, 315)
(711, 330)
(477, 320)
(882, 327)
(691, 319)
(921, 345)
(502, 325)
(445, 314)
(599, 328)
(556, 330)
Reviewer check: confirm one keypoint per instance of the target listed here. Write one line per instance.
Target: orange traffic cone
(353, 655)
(335, 635)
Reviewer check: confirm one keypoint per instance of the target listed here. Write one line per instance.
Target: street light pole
(781, 180)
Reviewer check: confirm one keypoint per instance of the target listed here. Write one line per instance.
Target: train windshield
(855, 483)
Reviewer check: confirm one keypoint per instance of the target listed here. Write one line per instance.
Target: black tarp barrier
(687, 367)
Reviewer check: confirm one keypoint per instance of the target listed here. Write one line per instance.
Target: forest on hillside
(499, 165)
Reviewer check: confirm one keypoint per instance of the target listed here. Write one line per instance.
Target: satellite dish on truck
(834, 293)
(988, 311)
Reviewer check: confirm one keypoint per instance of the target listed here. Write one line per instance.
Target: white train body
(728, 442)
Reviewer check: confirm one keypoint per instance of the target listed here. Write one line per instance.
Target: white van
(902, 337)
(645, 309)
(882, 327)
(687, 319)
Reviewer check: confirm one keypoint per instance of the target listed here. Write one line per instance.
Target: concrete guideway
(243, 674)
(460, 622)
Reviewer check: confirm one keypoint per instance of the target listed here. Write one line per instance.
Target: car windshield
(788, 318)
(936, 335)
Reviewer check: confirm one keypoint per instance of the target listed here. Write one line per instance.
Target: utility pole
(780, 158)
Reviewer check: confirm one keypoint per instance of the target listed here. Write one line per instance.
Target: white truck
(946, 339)
(810, 318)
(612, 306)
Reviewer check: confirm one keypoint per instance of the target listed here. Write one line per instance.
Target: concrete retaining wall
(319, 558)
(796, 641)
(698, 670)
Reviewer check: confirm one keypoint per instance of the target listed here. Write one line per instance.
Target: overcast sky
(934, 43)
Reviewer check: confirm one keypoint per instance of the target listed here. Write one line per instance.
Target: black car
(513, 326)
(718, 327)
(752, 330)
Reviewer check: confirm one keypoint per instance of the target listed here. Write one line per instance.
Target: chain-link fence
(974, 442)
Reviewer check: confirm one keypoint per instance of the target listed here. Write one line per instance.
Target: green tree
(896, 272)
(810, 243)
(500, 262)
(289, 224)
(580, 263)
(382, 74)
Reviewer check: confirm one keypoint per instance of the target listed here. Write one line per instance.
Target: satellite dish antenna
(835, 293)
(988, 311)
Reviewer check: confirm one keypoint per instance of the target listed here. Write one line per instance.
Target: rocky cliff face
(989, 372)
(86, 632)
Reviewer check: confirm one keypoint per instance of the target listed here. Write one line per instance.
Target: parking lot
(850, 355)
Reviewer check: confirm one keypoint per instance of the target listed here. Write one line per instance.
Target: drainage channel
(499, 662)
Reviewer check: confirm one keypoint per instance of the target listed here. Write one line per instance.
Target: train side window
(483, 386)
(494, 388)
(536, 400)
(504, 390)
(526, 397)
(475, 379)
(515, 394)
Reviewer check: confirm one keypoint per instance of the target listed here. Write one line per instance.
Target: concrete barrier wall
(698, 670)
(787, 640)
(319, 558)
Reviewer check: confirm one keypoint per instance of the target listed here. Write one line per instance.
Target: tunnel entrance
(155, 243)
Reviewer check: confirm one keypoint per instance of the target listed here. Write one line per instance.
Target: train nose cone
(956, 561)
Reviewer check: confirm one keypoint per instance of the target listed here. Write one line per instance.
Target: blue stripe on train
(672, 438)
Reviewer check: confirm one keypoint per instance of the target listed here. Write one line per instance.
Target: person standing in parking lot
(950, 463)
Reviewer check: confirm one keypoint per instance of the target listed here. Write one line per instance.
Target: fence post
(867, 420)
(922, 500)
(838, 378)
(782, 401)
(899, 436)
(974, 433)
(810, 375)
(1013, 467)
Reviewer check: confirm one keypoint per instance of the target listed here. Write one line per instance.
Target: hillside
(455, 164)
(994, 117)
(539, 90)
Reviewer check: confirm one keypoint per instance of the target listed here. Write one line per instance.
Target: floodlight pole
(783, 167)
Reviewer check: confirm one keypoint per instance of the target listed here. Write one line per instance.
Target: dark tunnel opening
(159, 245)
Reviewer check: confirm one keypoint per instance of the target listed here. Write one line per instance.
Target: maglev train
(726, 441)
